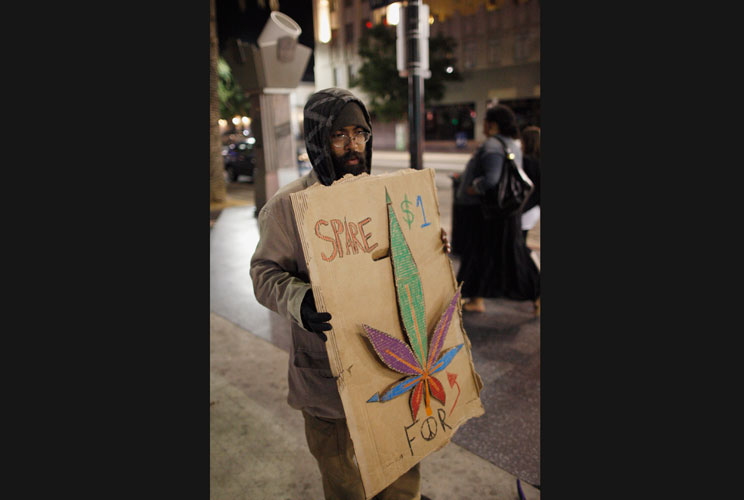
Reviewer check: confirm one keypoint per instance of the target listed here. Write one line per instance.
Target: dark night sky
(247, 25)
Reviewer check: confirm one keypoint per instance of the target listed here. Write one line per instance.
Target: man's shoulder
(281, 200)
(493, 145)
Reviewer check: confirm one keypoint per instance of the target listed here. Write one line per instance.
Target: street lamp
(392, 13)
(324, 22)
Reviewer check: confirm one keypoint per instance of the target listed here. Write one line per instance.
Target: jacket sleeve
(492, 163)
(274, 268)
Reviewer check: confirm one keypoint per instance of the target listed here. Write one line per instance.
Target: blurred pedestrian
(494, 260)
(338, 137)
(531, 166)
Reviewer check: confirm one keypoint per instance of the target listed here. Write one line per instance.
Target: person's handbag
(509, 195)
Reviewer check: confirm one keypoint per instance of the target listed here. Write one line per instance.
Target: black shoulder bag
(509, 195)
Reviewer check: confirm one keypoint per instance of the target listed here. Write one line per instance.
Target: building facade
(498, 56)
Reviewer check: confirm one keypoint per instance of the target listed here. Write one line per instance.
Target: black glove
(312, 320)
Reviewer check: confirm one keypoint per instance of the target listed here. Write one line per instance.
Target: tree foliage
(232, 98)
(378, 75)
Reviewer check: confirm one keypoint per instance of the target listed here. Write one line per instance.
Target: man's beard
(339, 163)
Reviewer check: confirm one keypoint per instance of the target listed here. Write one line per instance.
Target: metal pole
(415, 84)
(415, 112)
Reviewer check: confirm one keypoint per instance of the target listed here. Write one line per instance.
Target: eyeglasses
(340, 140)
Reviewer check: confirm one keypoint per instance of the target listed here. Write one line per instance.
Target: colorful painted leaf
(437, 390)
(415, 400)
(395, 390)
(440, 332)
(445, 359)
(408, 288)
(394, 353)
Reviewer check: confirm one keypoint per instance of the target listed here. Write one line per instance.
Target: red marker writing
(452, 378)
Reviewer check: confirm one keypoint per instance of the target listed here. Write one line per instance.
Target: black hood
(321, 110)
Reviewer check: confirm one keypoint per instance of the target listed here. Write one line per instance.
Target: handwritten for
(428, 429)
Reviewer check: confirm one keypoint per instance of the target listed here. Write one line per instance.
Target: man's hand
(312, 320)
(445, 241)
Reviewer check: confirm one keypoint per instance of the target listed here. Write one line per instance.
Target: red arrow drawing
(452, 378)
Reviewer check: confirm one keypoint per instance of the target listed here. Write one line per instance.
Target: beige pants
(330, 443)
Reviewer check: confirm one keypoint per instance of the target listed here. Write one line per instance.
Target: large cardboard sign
(398, 350)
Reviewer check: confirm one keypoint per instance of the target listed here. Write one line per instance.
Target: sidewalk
(257, 442)
(239, 194)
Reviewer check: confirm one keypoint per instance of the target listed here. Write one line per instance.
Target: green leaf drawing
(408, 288)
(396, 355)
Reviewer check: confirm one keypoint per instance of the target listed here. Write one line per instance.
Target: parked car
(239, 159)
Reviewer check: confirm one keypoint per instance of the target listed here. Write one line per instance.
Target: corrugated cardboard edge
(300, 208)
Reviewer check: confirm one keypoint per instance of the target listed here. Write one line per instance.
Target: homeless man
(339, 142)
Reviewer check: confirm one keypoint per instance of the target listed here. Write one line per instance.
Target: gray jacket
(280, 276)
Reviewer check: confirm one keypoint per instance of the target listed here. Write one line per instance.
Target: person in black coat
(494, 260)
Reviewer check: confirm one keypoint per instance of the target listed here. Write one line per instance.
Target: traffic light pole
(415, 85)
(415, 112)
(417, 67)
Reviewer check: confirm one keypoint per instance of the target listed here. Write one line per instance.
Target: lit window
(470, 55)
(520, 48)
(494, 55)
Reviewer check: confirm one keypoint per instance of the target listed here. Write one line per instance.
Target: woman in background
(494, 262)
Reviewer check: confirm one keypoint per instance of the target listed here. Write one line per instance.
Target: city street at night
(424, 86)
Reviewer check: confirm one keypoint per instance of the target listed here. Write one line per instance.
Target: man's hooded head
(327, 111)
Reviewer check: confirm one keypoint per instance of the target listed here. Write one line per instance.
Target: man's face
(348, 153)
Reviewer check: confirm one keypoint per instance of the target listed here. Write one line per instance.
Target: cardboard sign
(398, 349)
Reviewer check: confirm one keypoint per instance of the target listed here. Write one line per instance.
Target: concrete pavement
(257, 442)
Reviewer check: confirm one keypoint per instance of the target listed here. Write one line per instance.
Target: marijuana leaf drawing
(422, 359)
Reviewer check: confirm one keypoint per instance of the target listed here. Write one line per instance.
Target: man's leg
(406, 487)
(330, 443)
